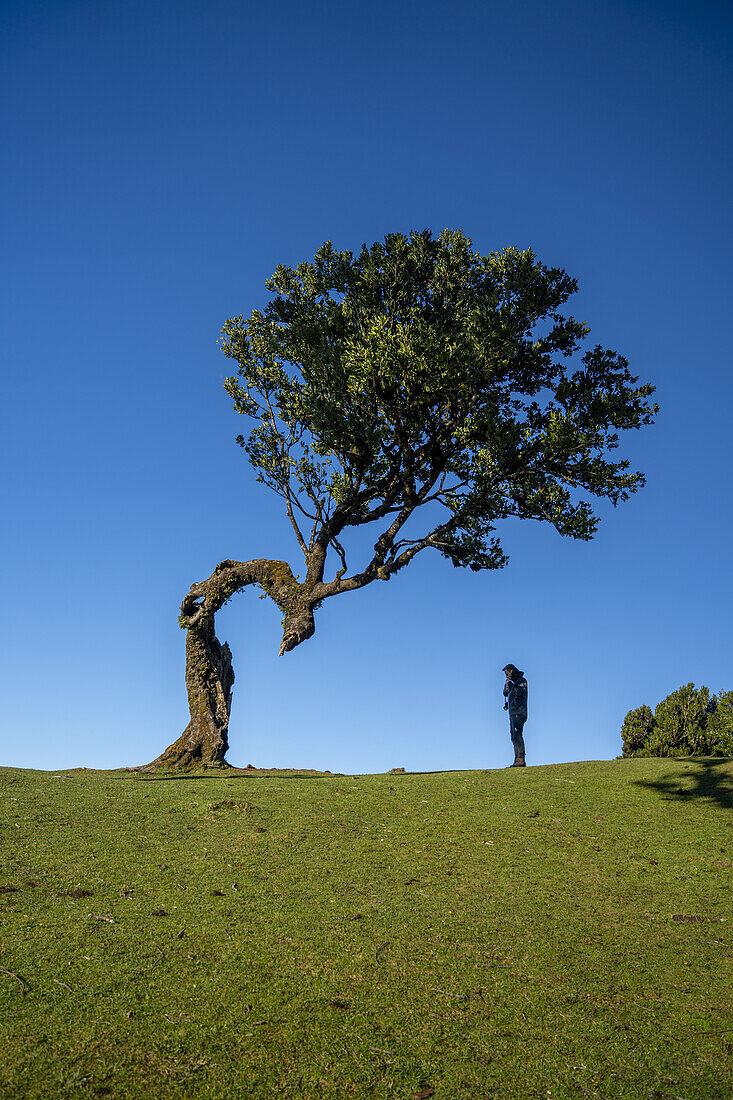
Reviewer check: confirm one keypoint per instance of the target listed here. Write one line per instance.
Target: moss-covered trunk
(209, 680)
(209, 673)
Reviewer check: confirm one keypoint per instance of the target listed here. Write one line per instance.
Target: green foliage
(689, 722)
(680, 723)
(420, 371)
(720, 722)
(636, 729)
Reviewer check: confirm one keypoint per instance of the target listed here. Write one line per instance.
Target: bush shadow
(702, 778)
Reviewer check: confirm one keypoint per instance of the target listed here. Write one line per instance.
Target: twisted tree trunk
(209, 672)
(209, 680)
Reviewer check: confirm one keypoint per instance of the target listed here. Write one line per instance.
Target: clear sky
(161, 158)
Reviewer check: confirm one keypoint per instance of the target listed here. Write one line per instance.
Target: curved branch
(275, 578)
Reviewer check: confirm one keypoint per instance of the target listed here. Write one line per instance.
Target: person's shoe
(518, 763)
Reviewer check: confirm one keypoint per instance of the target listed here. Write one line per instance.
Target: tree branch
(205, 598)
(433, 539)
(298, 534)
(281, 483)
(335, 543)
(382, 546)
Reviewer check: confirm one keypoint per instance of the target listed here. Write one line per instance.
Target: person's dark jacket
(515, 694)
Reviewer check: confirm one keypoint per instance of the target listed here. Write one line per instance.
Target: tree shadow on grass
(695, 778)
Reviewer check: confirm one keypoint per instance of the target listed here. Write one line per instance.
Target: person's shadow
(696, 777)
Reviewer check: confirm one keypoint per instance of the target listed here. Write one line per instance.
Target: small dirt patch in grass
(233, 804)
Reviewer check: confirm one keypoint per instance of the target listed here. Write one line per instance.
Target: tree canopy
(420, 371)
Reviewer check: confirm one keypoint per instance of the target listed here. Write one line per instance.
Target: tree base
(184, 762)
(209, 679)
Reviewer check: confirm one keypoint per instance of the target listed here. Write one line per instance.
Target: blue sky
(161, 159)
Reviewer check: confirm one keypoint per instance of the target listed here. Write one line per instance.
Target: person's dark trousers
(516, 725)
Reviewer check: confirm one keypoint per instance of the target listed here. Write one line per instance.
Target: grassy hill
(557, 932)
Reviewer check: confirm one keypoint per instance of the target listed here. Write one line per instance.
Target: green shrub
(689, 722)
(721, 722)
(637, 726)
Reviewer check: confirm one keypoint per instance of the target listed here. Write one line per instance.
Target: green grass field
(553, 932)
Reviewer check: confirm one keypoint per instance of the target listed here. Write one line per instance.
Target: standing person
(515, 701)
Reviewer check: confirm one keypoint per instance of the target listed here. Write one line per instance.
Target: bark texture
(209, 672)
(209, 680)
